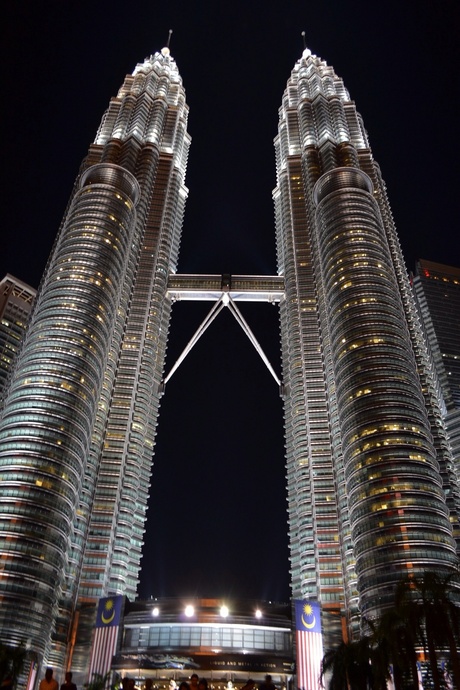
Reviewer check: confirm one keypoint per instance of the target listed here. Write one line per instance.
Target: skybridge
(225, 290)
(184, 286)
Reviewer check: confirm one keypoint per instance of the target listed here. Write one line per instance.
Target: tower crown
(161, 62)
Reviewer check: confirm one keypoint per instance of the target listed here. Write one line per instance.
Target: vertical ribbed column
(48, 415)
(398, 513)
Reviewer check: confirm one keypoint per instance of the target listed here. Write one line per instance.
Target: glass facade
(207, 637)
(368, 466)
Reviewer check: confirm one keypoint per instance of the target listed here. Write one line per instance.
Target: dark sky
(217, 521)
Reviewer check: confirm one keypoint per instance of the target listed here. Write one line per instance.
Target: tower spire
(303, 39)
(165, 51)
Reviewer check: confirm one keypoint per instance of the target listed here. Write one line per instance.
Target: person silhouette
(67, 684)
(48, 682)
(267, 684)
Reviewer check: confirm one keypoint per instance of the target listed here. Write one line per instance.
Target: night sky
(217, 518)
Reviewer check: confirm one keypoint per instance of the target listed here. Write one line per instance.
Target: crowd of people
(196, 683)
(50, 683)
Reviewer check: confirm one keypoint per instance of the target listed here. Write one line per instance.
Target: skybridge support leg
(224, 301)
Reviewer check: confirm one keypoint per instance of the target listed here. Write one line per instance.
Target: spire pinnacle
(165, 51)
(306, 51)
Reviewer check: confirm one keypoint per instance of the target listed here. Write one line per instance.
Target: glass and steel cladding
(366, 467)
(78, 426)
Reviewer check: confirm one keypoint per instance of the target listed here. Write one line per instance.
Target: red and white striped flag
(309, 644)
(105, 635)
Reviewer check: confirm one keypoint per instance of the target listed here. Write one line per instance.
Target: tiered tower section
(78, 426)
(367, 459)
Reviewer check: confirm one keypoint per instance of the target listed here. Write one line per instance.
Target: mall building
(226, 642)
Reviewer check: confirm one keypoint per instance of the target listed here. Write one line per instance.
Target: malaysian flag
(105, 635)
(309, 644)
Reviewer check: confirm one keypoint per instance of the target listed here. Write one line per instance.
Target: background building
(436, 290)
(16, 300)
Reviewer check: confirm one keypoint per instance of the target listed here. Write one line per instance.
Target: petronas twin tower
(372, 484)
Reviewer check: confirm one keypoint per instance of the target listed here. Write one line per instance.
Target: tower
(372, 492)
(78, 424)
